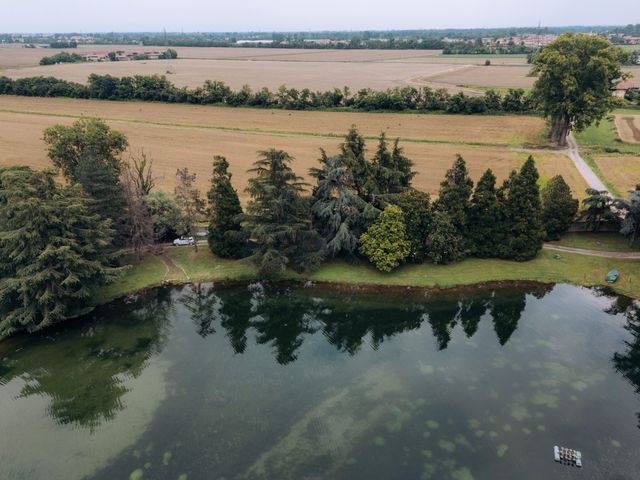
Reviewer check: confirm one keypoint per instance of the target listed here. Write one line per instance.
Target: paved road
(593, 253)
(585, 170)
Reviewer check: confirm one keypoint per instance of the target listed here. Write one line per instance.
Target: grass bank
(604, 241)
(548, 267)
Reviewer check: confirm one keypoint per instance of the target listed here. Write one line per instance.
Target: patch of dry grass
(623, 171)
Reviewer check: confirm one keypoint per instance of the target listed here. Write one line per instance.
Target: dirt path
(173, 269)
(583, 168)
(593, 253)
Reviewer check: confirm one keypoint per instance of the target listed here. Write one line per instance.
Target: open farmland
(182, 135)
(622, 171)
(628, 127)
(316, 69)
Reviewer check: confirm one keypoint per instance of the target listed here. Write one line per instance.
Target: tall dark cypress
(224, 212)
(485, 218)
(453, 199)
(524, 214)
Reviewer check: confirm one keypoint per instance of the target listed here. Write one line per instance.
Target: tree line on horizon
(157, 88)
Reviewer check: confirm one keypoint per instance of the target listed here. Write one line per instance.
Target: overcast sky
(301, 15)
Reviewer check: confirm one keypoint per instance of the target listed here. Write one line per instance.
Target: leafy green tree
(189, 201)
(524, 214)
(559, 208)
(575, 75)
(53, 250)
(224, 212)
(385, 243)
(631, 221)
(453, 199)
(278, 218)
(486, 218)
(597, 209)
(444, 243)
(418, 215)
(168, 220)
(339, 214)
(87, 138)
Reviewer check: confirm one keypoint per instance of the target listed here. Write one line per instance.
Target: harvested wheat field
(257, 74)
(498, 130)
(181, 135)
(628, 127)
(623, 171)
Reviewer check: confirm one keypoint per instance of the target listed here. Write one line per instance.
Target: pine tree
(53, 250)
(391, 171)
(453, 199)
(278, 219)
(403, 166)
(352, 151)
(100, 180)
(339, 214)
(485, 218)
(418, 215)
(224, 212)
(559, 208)
(385, 243)
(524, 214)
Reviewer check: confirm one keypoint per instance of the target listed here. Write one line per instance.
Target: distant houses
(626, 86)
(121, 56)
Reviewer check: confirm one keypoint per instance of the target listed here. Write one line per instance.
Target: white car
(183, 241)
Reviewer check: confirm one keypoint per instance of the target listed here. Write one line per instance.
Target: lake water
(277, 382)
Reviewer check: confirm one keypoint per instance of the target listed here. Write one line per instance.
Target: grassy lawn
(149, 272)
(206, 267)
(549, 267)
(605, 241)
(604, 138)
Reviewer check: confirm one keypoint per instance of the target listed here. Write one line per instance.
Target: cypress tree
(100, 180)
(352, 151)
(278, 219)
(224, 212)
(453, 199)
(418, 216)
(524, 214)
(53, 250)
(391, 171)
(559, 208)
(444, 243)
(485, 218)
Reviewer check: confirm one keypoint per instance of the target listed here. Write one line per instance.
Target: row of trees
(158, 88)
(60, 241)
(366, 208)
(62, 57)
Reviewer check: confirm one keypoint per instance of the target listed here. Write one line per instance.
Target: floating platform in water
(567, 456)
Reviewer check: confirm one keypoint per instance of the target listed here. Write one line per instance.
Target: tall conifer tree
(524, 214)
(224, 212)
(53, 250)
(485, 218)
(278, 219)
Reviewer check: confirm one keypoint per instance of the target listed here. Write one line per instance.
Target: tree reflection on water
(283, 317)
(82, 369)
